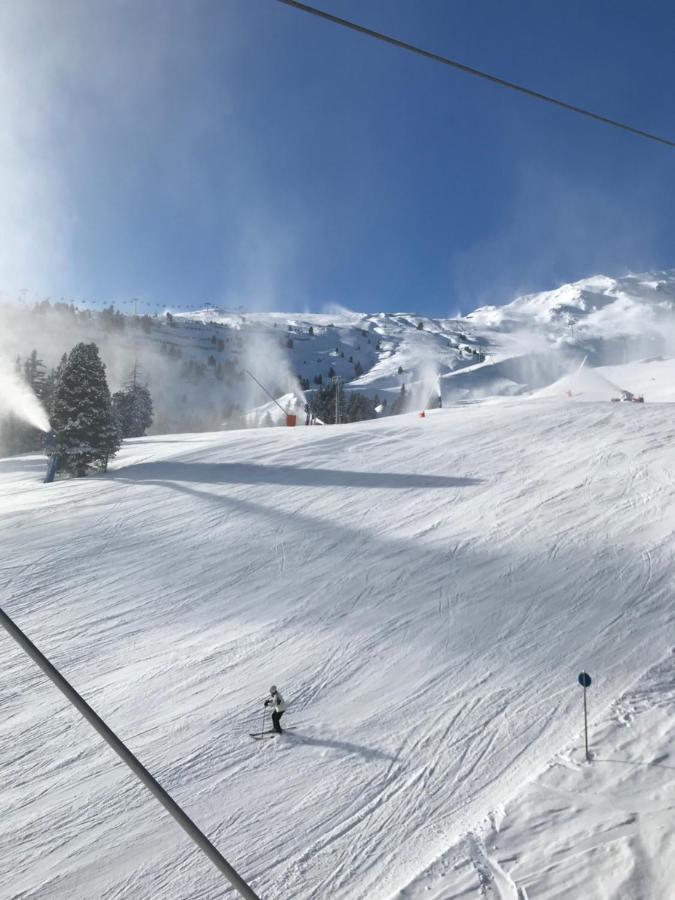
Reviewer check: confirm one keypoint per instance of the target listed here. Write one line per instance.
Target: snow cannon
(49, 444)
(291, 418)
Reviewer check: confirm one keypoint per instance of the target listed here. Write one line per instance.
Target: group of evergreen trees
(350, 407)
(88, 425)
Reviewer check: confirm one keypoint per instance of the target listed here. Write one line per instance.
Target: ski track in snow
(598, 830)
(423, 591)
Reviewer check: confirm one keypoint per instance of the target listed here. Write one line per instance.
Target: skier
(279, 707)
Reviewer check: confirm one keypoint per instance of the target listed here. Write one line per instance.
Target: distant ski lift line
(469, 70)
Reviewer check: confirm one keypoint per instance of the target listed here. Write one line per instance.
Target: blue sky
(240, 152)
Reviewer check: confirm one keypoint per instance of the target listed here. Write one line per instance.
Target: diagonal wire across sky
(477, 73)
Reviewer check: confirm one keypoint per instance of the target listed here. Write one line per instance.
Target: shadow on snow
(249, 473)
(344, 746)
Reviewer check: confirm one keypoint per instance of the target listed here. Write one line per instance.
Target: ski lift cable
(469, 70)
(120, 748)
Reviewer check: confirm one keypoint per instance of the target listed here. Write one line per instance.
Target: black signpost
(585, 682)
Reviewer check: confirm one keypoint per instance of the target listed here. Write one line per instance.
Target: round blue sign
(585, 679)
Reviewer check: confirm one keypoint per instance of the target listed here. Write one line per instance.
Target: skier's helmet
(273, 689)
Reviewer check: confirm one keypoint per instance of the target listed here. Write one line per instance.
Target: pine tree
(35, 374)
(121, 412)
(132, 407)
(84, 431)
(55, 376)
(140, 418)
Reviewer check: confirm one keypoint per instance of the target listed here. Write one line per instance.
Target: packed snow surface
(423, 591)
(600, 829)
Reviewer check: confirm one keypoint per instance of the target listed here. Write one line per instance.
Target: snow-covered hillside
(503, 350)
(424, 592)
(196, 363)
(496, 350)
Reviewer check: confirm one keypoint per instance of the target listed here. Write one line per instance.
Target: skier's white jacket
(277, 702)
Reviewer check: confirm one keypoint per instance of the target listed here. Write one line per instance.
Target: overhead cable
(469, 70)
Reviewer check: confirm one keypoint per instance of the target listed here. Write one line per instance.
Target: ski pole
(262, 727)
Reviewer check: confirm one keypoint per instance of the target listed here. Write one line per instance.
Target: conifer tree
(54, 377)
(84, 431)
(132, 407)
(35, 375)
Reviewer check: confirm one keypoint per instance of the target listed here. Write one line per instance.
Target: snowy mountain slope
(196, 362)
(424, 591)
(653, 379)
(496, 350)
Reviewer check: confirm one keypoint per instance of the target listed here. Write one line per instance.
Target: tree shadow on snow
(250, 473)
(27, 464)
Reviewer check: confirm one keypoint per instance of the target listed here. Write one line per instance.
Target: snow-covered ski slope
(579, 830)
(423, 591)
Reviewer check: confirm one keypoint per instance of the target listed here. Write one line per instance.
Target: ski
(259, 736)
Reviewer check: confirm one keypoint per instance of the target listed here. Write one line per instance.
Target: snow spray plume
(426, 387)
(185, 397)
(18, 399)
(270, 364)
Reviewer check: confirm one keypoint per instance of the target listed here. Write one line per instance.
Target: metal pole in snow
(128, 757)
(336, 381)
(262, 387)
(588, 758)
(585, 682)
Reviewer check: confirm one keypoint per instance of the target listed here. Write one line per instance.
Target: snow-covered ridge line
(511, 349)
(195, 362)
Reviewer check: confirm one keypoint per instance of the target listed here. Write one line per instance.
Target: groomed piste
(424, 592)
